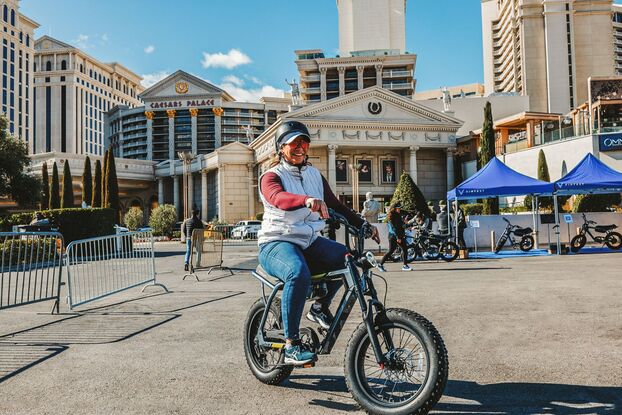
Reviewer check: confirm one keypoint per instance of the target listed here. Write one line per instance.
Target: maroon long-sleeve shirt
(273, 191)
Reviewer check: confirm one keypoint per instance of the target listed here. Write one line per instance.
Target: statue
(446, 99)
(371, 208)
(295, 91)
(248, 130)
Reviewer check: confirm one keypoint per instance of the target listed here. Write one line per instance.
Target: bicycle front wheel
(415, 376)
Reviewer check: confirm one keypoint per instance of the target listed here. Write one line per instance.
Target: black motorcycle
(525, 243)
(612, 239)
(395, 361)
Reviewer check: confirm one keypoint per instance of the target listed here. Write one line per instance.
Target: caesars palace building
(382, 132)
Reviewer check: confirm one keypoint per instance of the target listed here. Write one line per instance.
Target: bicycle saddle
(604, 228)
(259, 270)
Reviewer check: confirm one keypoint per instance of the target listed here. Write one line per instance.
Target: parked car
(246, 229)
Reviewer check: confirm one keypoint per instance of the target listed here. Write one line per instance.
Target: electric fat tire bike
(612, 239)
(395, 361)
(428, 246)
(525, 243)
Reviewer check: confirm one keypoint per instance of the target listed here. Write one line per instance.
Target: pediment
(373, 104)
(182, 84)
(49, 43)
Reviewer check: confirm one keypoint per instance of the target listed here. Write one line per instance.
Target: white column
(342, 80)
(149, 115)
(176, 194)
(413, 163)
(450, 168)
(204, 195)
(190, 191)
(160, 191)
(332, 178)
(323, 84)
(378, 74)
(194, 112)
(221, 192)
(171, 134)
(359, 72)
(251, 191)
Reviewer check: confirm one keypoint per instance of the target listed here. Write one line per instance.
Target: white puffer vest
(300, 226)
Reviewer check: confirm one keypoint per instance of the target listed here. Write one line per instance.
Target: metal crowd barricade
(30, 268)
(206, 252)
(99, 267)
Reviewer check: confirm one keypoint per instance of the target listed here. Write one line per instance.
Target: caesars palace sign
(181, 103)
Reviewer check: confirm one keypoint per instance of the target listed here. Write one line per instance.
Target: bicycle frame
(356, 286)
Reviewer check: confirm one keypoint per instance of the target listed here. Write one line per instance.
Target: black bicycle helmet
(289, 131)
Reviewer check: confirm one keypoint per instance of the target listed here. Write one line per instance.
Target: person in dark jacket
(458, 216)
(188, 227)
(397, 237)
(441, 218)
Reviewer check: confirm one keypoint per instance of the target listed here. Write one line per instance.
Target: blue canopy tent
(589, 176)
(497, 179)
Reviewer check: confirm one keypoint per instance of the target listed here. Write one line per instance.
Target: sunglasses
(299, 143)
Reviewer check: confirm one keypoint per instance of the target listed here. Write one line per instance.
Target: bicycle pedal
(308, 365)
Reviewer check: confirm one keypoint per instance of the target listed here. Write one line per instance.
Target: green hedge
(473, 208)
(73, 224)
(27, 251)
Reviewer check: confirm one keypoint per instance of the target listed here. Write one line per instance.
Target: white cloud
(254, 80)
(232, 79)
(105, 37)
(149, 49)
(82, 41)
(251, 94)
(152, 78)
(227, 60)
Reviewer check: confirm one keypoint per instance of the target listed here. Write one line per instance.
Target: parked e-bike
(395, 362)
(612, 239)
(525, 243)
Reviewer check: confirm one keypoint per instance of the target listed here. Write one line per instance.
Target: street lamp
(355, 168)
(186, 158)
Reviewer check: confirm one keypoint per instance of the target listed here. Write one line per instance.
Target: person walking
(442, 217)
(188, 227)
(460, 219)
(397, 237)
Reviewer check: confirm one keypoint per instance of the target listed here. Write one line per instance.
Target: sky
(247, 46)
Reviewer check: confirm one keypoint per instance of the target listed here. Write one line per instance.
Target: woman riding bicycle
(296, 198)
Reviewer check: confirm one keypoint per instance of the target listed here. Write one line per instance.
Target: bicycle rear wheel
(415, 377)
(265, 363)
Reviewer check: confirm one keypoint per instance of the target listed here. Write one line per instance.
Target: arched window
(48, 66)
(81, 68)
(63, 65)
(5, 13)
(12, 17)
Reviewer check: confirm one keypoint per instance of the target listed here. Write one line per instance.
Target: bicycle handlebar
(362, 233)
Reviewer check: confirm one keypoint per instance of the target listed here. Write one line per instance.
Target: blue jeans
(289, 263)
(188, 250)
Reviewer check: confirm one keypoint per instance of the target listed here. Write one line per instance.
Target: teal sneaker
(298, 355)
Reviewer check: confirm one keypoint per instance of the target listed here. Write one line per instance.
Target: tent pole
(559, 245)
(449, 217)
(537, 222)
(533, 213)
(456, 220)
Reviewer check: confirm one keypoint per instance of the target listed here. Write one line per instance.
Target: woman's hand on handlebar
(317, 205)
(375, 236)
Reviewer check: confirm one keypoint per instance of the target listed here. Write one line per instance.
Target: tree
(87, 182)
(595, 203)
(97, 185)
(112, 186)
(162, 220)
(15, 181)
(54, 189)
(133, 219)
(67, 199)
(104, 168)
(45, 187)
(487, 152)
(409, 196)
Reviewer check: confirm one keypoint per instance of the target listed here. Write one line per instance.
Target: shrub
(162, 220)
(133, 218)
(73, 224)
(515, 209)
(67, 198)
(259, 216)
(595, 203)
(473, 208)
(27, 252)
(410, 196)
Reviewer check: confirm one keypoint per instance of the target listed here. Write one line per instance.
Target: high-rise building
(73, 91)
(546, 49)
(372, 52)
(17, 68)
(617, 36)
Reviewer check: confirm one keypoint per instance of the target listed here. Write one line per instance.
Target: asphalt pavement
(535, 335)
